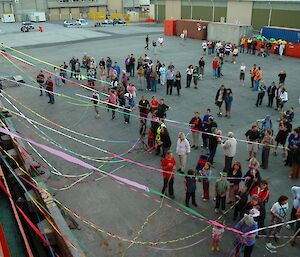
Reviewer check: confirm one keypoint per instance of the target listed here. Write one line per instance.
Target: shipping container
(170, 27)
(287, 34)
(196, 29)
(8, 17)
(228, 32)
(37, 16)
(293, 50)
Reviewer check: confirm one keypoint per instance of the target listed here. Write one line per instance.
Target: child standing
(206, 174)
(221, 189)
(217, 233)
(190, 188)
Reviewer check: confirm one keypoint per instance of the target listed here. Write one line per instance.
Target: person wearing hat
(247, 241)
(221, 189)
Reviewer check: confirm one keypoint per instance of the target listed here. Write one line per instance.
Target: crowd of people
(246, 193)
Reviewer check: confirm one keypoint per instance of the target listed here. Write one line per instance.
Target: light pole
(191, 5)
(213, 10)
(156, 7)
(270, 14)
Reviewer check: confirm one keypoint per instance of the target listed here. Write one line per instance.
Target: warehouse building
(67, 9)
(257, 13)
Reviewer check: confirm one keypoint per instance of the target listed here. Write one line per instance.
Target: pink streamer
(222, 226)
(75, 160)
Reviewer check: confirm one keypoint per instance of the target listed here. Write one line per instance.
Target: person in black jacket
(254, 45)
(212, 145)
(196, 127)
(219, 99)
(241, 201)
(256, 204)
(201, 67)
(271, 94)
(282, 77)
(190, 188)
(166, 141)
(234, 178)
(253, 179)
(147, 42)
(268, 48)
(296, 163)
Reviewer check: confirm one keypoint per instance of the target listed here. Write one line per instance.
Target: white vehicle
(82, 22)
(106, 22)
(69, 23)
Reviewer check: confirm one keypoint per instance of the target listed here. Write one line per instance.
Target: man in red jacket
(168, 165)
(49, 88)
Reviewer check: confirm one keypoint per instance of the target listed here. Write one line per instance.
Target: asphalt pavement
(117, 208)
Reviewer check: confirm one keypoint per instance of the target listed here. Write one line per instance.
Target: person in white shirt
(183, 148)
(242, 74)
(162, 72)
(204, 47)
(218, 46)
(229, 148)
(189, 75)
(283, 98)
(281, 49)
(160, 40)
(279, 213)
(296, 204)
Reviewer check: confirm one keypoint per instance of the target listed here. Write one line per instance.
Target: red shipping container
(170, 27)
(292, 49)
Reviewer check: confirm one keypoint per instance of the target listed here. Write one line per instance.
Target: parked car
(26, 26)
(106, 22)
(119, 21)
(69, 23)
(82, 22)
